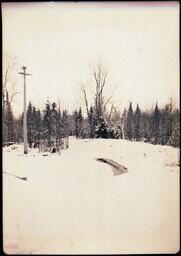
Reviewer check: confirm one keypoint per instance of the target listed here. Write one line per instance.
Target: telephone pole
(25, 116)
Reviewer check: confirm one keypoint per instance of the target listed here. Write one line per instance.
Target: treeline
(157, 126)
(50, 125)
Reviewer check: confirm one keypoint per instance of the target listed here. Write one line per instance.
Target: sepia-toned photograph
(90, 127)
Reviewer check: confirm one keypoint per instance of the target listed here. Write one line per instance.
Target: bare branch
(108, 100)
(102, 87)
(6, 77)
(8, 84)
(98, 75)
(122, 120)
(13, 95)
(116, 111)
(97, 83)
(111, 112)
(86, 102)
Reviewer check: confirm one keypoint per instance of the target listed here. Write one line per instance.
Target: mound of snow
(72, 203)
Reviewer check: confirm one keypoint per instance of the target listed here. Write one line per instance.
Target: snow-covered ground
(71, 203)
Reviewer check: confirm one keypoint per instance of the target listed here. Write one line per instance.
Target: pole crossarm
(26, 74)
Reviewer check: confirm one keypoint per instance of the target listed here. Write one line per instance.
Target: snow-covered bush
(114, 131)
(101, 128)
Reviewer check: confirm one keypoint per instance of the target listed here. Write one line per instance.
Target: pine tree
(47, 124)
(130, 123)
(38, 127)
(18, 129)
(145, 126)
(80, 121)
(54, 118)
(137, 120)
(59, 126)
(91, 122)
(29, 124)
(114, 131)
(175, 137)
(123, 123)
(33, 127)
(101, 128)
(65, 123)
(169, 123)
(76, 123)
(166, 125)
(156, 125)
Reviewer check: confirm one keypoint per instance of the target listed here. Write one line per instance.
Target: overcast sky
(139, 43)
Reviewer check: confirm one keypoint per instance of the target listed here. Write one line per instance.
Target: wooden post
(25, 114)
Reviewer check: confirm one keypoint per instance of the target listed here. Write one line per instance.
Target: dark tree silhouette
(130, 123)
(137, 123)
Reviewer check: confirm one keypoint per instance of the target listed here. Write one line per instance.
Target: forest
(157, 126)
(53, 125)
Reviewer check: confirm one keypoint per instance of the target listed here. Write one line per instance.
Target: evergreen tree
(123, 123)
(156, 125)
(18, 129)
(54, 119)
(38, 127)
(47, 124)
(175, 137)
(165, 128)
(29, 124)
(80, 121)
(59, 125)
(76, 123)
(114, 131)
(65, 124)
(145, 126)
(137, 120)
(33, 127)
(101, 128)
(170, 120)
(91, 121)
(130, 123)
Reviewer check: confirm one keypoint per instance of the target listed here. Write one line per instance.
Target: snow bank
(72, 203)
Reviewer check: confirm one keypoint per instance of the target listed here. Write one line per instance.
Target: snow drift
(71, 203)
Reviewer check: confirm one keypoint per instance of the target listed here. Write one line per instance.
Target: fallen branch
(21, 178)
(116, 168)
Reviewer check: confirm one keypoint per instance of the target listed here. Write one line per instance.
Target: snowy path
(73, 204)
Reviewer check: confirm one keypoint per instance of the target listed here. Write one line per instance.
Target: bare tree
(122, 119)
(99, 80)
(10, 71)
(89, 116)
(100, 75)
(86, 101)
